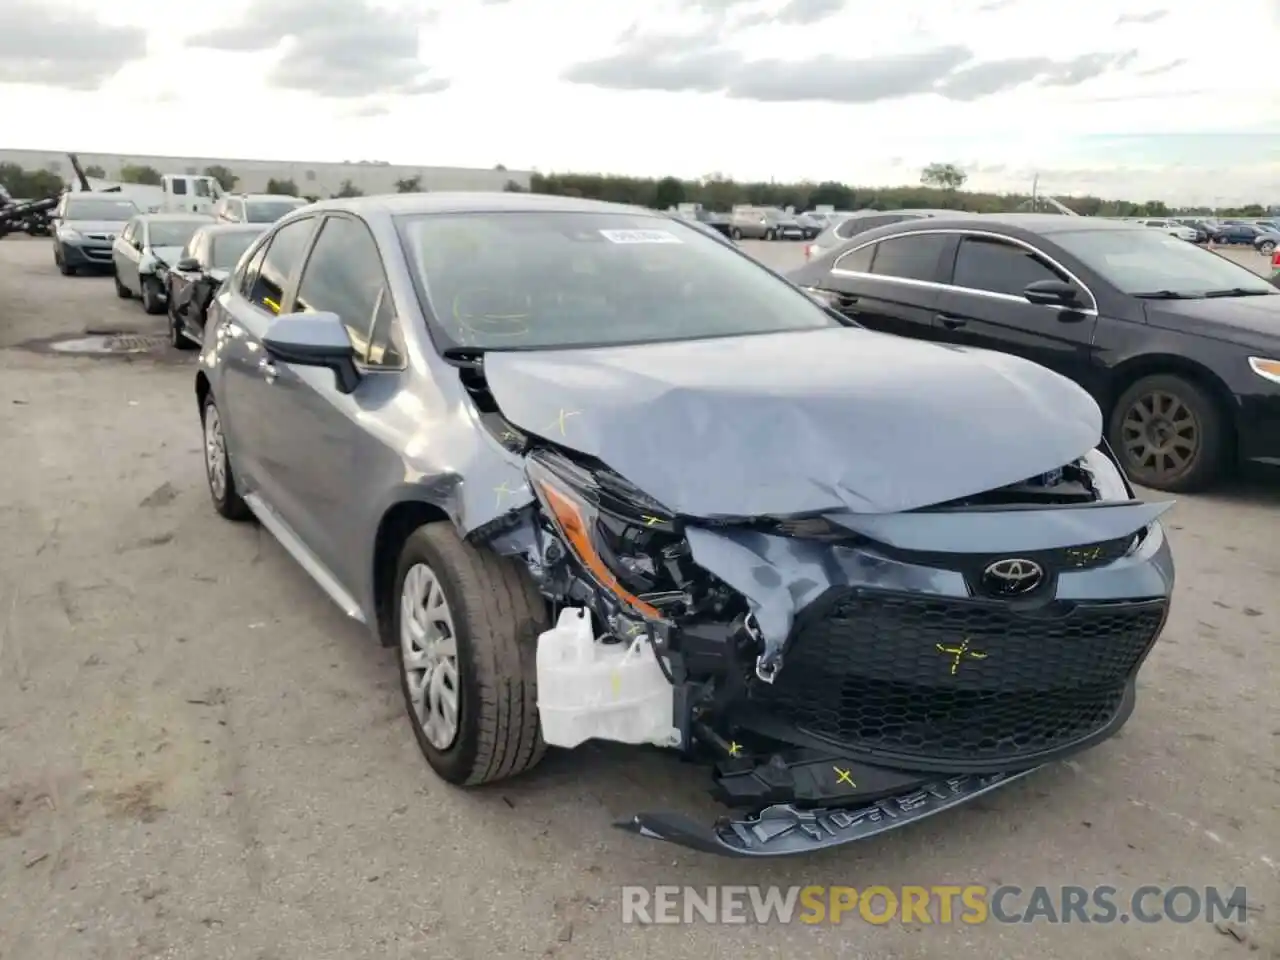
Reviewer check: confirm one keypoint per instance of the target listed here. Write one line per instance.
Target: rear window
(269, 211)
(535, 280)
(228, 248)
(96, 208)
(172, 233)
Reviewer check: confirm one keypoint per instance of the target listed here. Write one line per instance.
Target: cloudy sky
(1168, 99)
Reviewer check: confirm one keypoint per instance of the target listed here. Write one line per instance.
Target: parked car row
(1263, 235)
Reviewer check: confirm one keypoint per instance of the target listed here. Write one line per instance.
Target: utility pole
(1035, 193)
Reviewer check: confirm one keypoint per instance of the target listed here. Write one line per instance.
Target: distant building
(311, 179)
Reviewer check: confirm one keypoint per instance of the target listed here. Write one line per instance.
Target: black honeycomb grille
(968, 680)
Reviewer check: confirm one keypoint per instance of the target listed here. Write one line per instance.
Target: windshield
(269, 211)
(95, 208)
(1144, 261)
(172, 233)
(547, 280)
(229, 247)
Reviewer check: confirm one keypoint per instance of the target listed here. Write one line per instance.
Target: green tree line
(941, 187)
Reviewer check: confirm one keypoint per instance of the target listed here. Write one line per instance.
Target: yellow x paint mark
(652, 521)
(959, 653)
(735, 749)
(844, 776)
(502, 490)
(559, 421)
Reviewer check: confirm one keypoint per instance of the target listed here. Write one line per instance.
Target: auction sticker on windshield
(640, 236)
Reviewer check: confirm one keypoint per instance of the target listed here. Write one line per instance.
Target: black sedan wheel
(1169, 434)
(1267, 247)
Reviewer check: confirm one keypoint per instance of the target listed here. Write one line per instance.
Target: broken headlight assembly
(626, 543)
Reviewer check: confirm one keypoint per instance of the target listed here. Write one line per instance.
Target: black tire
(151, 302)
(228, 503)
(121, 290)
(66, 269)
(1267, 248)
(770, 234)
(1203, 465)
(497, 615)
(735, 234)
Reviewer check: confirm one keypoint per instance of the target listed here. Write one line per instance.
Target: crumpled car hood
(820, 421)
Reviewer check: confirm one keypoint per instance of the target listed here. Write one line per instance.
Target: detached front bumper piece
(785, 830)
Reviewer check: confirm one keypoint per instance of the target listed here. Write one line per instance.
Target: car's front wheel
(152, 301)
(468, 623)
(1169, 434)
(1267, 247)
(217, 466)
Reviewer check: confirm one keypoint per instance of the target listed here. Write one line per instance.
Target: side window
(237, 210)
(284, 251)
(252, 268)
(859, 261)
(202, 188)
(910, 257)
(127, 234)
(999, 267)
(344, 275)
(179, 186)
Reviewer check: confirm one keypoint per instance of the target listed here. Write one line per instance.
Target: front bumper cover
(785, 830)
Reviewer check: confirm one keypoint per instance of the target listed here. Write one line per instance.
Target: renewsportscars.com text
(941, 904)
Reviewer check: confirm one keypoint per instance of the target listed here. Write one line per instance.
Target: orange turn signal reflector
(1266, 368)
(569, 516)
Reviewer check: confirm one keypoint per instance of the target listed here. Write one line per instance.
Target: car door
(983, 306)
(248, 401)
(184, 285)
(130, 246)
(891, 285)
(324, 451)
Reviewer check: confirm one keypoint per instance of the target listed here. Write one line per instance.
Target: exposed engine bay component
(601, 689)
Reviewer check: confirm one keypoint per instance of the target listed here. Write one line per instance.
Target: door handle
(268, 370)
(846, 300)
(950, 321)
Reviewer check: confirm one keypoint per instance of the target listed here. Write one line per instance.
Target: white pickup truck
(177, 192)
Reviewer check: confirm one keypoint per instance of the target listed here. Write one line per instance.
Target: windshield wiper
(1239, 292)
(1166, 295)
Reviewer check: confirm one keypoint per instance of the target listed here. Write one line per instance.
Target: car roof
(220, 228)
(400, 204)
(175, 217)
(1036, 223)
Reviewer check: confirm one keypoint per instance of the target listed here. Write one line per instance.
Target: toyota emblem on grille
(1012, 578)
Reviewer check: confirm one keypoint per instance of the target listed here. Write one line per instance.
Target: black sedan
(1179, 346)
(1239, 234)
(208, 258)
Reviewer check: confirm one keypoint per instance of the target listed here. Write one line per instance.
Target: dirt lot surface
(201, 758)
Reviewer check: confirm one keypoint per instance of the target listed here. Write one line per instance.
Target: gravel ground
(202, 759)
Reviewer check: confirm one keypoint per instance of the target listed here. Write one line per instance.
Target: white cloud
(1040, 84)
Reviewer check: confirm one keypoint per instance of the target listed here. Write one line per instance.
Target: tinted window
(344, 275)
(97, 208)
(998, 267)
(912, 258)
(1145, 261)
(284, 250)
(251, 270)
(857, 260)
(856, 225)
(172, 233)
(179, 186)
(228, 248)
(269, 211)
(565, 279)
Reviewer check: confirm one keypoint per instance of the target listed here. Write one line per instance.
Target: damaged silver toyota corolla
(599, 475)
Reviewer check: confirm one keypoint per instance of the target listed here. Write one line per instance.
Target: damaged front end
(843, 674)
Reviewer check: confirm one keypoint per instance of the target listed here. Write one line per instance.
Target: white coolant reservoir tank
(588, 690)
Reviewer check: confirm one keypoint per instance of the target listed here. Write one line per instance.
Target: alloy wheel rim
(429, 650)
(1161, 435)
(215, 453)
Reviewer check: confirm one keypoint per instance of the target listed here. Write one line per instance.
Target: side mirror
(314, 340)
(1052, 293)
(188, 265)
